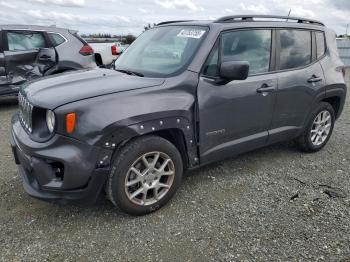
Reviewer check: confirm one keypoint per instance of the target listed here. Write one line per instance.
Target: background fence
(344, 50)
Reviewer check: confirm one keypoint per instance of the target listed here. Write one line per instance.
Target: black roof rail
(172, 22)
(250, 18)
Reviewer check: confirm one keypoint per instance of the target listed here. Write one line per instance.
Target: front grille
(25, 112)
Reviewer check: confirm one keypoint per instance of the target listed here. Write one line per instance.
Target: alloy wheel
(149, 178)
(321, 128)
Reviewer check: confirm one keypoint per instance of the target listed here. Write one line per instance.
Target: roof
(255, 20)
(240, 24)
(34, 27)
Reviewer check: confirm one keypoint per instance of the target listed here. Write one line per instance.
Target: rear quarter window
(56, 39)
(320, 44)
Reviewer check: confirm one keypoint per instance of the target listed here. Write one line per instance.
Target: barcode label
(191, 33)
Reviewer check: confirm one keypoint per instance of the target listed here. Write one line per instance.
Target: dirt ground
(275, 203)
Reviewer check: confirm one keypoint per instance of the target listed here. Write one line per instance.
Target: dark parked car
(30, 52)
(238, 83)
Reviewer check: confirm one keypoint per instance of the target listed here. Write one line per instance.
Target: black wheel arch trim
(336, 90)
(126, 130)
(339, 91)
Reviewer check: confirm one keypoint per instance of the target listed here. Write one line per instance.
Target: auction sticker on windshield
(191, 33)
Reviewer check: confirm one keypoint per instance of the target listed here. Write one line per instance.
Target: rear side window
(21, 41)
(320, 44)
(56, 39)
(253, 46)
(295, 49)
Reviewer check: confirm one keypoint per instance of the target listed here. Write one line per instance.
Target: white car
(106, 53)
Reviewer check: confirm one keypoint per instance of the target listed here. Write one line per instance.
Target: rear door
(23, 56)
(300, 81)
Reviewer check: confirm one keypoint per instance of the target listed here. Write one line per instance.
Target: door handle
(265, 88)
(314, 79)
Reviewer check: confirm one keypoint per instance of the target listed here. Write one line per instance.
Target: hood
(54, 91)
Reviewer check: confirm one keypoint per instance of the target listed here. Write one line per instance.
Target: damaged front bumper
(61, 170)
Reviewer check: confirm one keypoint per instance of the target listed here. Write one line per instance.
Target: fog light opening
(58, 170)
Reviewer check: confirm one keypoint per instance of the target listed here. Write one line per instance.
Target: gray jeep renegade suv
(183, 95)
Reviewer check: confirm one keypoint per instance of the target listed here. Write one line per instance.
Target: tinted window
(253, 46)
(56, 39)
(320, 43)
(19, 41)
(295, 49)
(211, 65)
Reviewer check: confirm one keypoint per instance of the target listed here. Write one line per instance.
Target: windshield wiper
(129, 72)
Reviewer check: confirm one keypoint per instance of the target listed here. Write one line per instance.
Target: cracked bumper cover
(81, 182)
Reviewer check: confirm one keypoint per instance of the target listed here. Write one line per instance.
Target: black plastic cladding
(149, 127)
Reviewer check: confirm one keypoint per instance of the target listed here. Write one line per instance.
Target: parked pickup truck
(106, 53)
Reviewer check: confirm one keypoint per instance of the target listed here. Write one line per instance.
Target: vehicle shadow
(268, 153)
(264, 155)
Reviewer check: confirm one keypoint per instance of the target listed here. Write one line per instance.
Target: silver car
(30, 52)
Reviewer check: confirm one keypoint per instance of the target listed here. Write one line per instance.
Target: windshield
(162, 51)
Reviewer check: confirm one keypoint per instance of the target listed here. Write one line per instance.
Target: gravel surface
(275, 203)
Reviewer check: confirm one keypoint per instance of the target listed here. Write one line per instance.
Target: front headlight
(50, 120)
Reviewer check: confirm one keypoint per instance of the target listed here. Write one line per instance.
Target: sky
(130, 16)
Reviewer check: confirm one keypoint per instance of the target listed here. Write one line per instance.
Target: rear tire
(145, 175)
(318, 130)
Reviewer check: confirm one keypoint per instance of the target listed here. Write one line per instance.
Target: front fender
(118, 117)
(122, 132)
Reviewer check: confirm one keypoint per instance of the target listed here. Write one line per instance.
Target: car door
(235, 117)
(23, 59)
(5, 88)
(300, 81)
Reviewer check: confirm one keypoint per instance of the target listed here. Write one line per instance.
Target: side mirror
(234, 70)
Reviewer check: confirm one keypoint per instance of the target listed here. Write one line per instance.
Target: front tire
(318, 130)
(145, 174)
